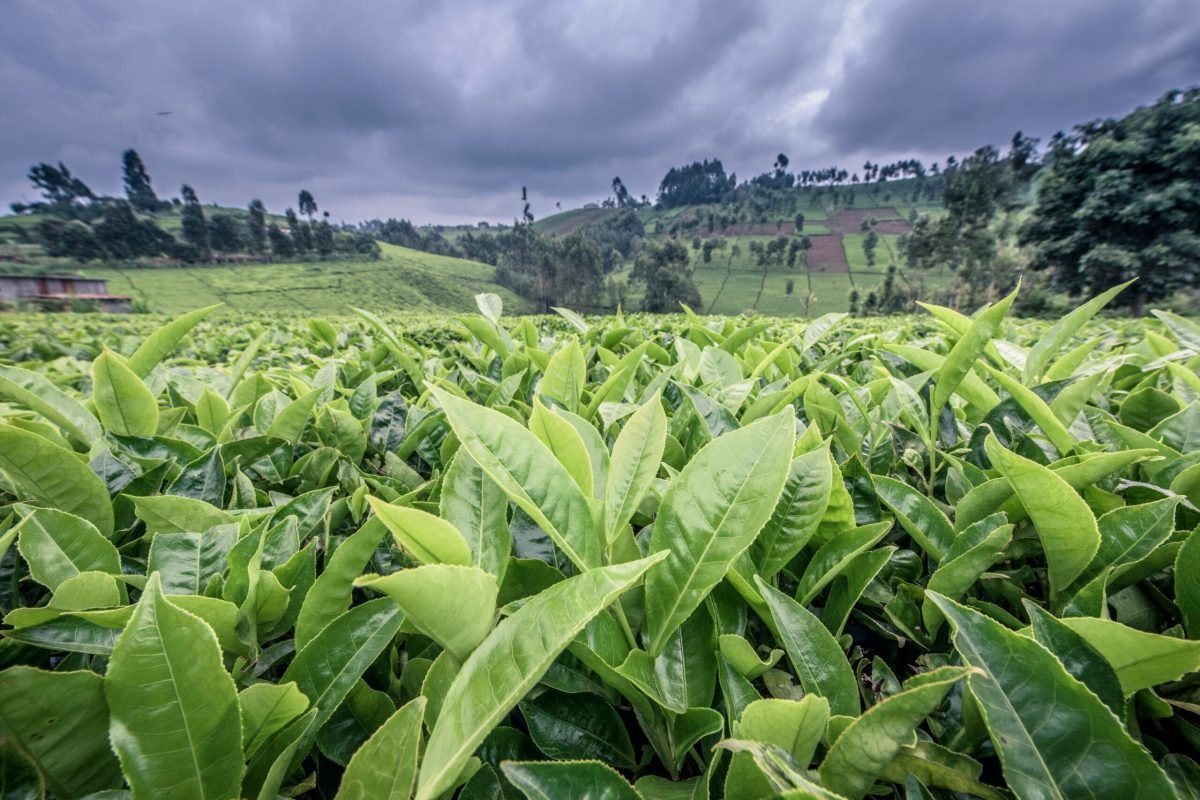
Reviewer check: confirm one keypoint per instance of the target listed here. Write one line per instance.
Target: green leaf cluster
(623, 557)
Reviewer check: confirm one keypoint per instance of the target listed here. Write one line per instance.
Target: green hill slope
(403, 280)
(734, 281)
(410, 280)
(569, 221)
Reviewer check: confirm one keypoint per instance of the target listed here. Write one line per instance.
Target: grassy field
(412, 281)
(568, 221)
(737, 284)
(886, 251)
(403, 279)
(742, 289)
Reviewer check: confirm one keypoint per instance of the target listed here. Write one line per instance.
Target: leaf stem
(933, 435)
(625, 628)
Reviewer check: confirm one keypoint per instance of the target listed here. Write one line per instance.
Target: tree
(805, 246)
(579, 270)
(889, 299)
(1119, 200)
(983, 186)
(281, 243)
(662, 268)
(307, 242)
(870, 241)
(256, 224)
(921, 247)
(699, 182)
(980, 187)
(793, 251)
(195, 229)
(526, 215)
(137, 182)
(365, 245)
(776, 250)
(799, 221)
(621, 231)
(1023, 156)
(622, 194)
(552, 271)
(59, 187)
(70, 239)
(323, 238)
(308, 206)
(225, 234)
(300, 232)
(123, 235)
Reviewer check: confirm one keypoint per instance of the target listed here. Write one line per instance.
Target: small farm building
(60, 292)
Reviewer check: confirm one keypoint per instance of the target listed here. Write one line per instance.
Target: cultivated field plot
(636, 557)
(733, 284)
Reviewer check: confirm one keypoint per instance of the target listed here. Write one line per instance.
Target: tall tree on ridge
(137, 182)
(308, 206)
(256, 222)
(60, 188)
(323, 236)
(195, 228)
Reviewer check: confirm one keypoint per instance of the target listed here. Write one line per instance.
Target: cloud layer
(441, 111)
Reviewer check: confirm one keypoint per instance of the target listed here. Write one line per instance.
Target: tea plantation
(360, 555)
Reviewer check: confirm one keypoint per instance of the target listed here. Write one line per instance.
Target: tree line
(705, 182)
(82, 225)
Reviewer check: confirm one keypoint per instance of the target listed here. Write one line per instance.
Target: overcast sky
(440, 112)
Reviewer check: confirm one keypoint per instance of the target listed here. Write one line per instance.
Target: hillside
(815, 203)
(572, 220)
(402, 280)
(734, 281)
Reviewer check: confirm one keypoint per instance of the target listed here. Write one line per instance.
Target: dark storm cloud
(942, 76)
(441, 111)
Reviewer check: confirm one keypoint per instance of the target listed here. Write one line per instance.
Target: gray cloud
(440, 112)
(941, 77)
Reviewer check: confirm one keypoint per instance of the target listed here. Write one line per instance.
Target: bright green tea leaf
(176, 724)
(710, 515)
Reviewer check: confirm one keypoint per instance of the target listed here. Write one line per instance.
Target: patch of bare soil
(827, 254)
